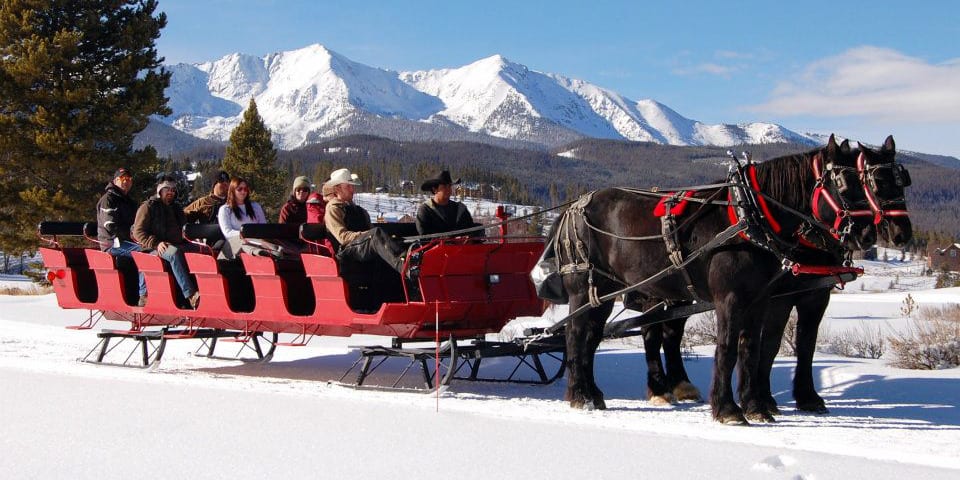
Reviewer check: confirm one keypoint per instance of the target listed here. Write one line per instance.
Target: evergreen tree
(251, 155)
(77, 81)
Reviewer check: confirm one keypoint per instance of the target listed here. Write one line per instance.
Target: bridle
(832, 182)
(868, 177)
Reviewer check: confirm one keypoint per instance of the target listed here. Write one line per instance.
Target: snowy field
(205, 418)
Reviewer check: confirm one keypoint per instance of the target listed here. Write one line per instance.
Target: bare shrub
(868, 342)
(909, 306)
(932, 342)
(838, 343)
(863, 342)
(788, 342)
(29, 289)
(701, 330)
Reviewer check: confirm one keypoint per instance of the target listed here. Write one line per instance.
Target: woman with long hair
(237, 211)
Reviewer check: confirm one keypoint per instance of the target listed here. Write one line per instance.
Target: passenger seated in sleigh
(357, 242)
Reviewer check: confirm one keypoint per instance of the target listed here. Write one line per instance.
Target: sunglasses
(243, 189)
(303, 190)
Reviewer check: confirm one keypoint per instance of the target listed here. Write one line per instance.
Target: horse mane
(789, 179)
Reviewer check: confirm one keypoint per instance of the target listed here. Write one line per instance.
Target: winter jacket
(433, 218)
(316, 210)
(345, 221)
(204, 209)
(157, 222)
(293, 212)
(115, 214)
(230, 224)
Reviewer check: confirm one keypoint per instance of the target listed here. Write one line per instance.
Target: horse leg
(598, 319)
(748, 366)
(809, 315)
(722, 405)
(582, 341)
(677, 375)
(771, 334)
(658, 388)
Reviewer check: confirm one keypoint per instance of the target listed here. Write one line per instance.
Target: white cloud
(708, 68)
(871, 82)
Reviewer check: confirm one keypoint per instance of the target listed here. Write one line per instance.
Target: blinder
(843, 177)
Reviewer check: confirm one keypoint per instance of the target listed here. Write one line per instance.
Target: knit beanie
(300, 182)
(166, 184)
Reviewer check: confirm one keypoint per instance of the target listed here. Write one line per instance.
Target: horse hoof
(817, 408)
(664, 400)
(685, 391)
(588, 405)
(760, 417)
(733, 419)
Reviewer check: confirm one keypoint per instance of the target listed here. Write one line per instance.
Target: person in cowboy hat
(439, 214)
(349, 225)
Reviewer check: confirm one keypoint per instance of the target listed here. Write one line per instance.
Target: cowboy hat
(343, 175)
(443, 178)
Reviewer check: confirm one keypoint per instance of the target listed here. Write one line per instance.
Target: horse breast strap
(668, 209)
(572, 254)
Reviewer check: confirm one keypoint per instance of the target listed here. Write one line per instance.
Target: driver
(349, 224)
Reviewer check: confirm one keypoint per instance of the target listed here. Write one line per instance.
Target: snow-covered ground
(206, 418)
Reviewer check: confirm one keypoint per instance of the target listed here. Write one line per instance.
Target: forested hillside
(548, 178)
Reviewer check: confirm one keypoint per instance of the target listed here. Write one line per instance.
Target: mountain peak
(313, 93)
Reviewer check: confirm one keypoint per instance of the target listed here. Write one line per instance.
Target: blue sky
(862, 69)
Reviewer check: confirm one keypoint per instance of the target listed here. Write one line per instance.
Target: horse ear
(831, 146)
(845, 147)
(889, 145)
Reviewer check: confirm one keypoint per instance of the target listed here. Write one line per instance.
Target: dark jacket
(433, 218)
(293, 212)
(157, 222)
(115, 214)
(204, 209)
(345, 222)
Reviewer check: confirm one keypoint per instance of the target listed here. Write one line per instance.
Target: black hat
(122, 172)
(442, 179)
(223, 177)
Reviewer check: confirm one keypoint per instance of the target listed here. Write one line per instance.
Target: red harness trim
(878, 213)
(755, 185)
(798, 269)
(677, 209)
(822, 193)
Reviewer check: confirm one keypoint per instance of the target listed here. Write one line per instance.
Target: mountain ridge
(313, 93)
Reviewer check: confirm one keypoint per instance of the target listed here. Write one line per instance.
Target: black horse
(882, 181)
(602, 251)
(670, 384)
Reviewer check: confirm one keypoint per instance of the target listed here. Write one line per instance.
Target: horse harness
(750, 218)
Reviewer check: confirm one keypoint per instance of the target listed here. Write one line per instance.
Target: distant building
(948, 257)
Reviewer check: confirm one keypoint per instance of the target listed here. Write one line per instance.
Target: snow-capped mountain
(312, 94)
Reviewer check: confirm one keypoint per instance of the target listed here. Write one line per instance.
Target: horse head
(884, 182)
(839, 198)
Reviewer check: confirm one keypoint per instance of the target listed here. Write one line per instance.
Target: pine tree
(250, 155)
(77, 81)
